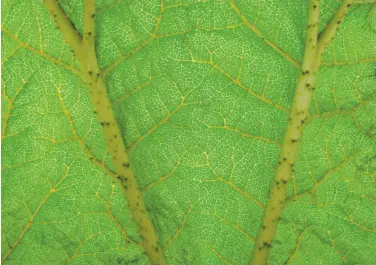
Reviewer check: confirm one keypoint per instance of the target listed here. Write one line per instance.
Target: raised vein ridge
(315, 46)
(84, 50)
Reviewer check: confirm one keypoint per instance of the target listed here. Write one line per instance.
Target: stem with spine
(315, 47)
(83, 48)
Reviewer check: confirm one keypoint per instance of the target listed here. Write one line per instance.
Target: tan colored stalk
(84, 50)
(314, 49)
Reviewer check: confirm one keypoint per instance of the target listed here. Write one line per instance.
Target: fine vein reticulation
(315, 47)
(85, 53)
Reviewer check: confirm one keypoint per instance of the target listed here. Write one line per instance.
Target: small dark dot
(156, 249)
(284, 159)
(348, 5)
(89, 33)
(284, 181)
(93, 15)
(102, 123)
(314, 6)
(107, 123)
(90, 72)
(126, 165)
(98, 74)
(115, 136)
(294, 140)
(277, 182)
(307, 85)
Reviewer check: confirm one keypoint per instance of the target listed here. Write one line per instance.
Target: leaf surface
(202, 92)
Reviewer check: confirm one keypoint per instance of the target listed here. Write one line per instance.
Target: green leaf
(204, 94)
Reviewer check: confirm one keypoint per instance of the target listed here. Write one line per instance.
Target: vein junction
(84, 49)
(315, 46)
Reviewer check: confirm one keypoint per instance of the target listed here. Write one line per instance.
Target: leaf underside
(201, 91)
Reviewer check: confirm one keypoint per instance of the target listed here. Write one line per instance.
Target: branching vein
(315, 47)
(84, 50)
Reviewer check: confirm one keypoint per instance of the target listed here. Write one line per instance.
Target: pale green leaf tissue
(201, 91)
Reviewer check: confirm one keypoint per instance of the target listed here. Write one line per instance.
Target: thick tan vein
(284, 54)
(315, 47)
(42, 54)
(153, 36)
(156, 126)
(92, 157)
(85, 51)
(30, 222)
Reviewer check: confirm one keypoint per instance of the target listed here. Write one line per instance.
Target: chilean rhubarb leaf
(188, 132)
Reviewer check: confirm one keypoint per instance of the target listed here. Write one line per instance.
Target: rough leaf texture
(201, 91)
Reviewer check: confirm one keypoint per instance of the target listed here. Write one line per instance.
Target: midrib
(85, 52)
(314, 49)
